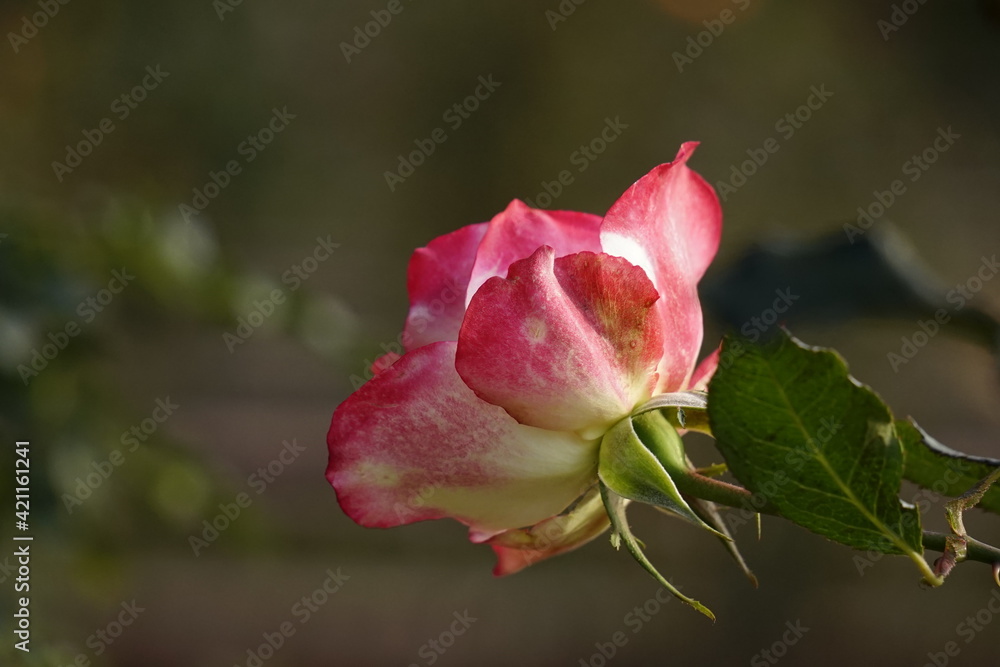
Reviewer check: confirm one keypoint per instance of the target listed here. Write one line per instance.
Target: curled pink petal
(568, 344)
(416, 443)
(520, 230)
(669, 223)
(705, 370)
(517, 549)
(437, 280)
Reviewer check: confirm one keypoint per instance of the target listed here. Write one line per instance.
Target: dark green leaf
(942, 470)
(797, 429)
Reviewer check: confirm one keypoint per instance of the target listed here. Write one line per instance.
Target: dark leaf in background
(872, 275)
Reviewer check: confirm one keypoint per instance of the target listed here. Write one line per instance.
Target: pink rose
(528, 337)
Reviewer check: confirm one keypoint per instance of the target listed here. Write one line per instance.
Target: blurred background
(206, 211)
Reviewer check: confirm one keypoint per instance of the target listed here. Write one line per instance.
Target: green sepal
(684, 409)
(615, 505)
(636, 467)
(667, 446)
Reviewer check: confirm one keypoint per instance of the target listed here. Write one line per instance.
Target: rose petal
(705, 370)
(384, 362)
(415, 443)
(520, 230)
(517, 549)
(437, 280)
(669, 223)
(568, 344)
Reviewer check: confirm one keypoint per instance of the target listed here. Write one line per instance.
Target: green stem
(723, 493)
(731, 495)
(979, 551)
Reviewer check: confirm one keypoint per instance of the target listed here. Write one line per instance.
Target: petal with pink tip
(383, 362)
(520, 230)
(437, 280)
(415, 443)
(669, 223)
(568, 344)
(517, 549)
(705, 370)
